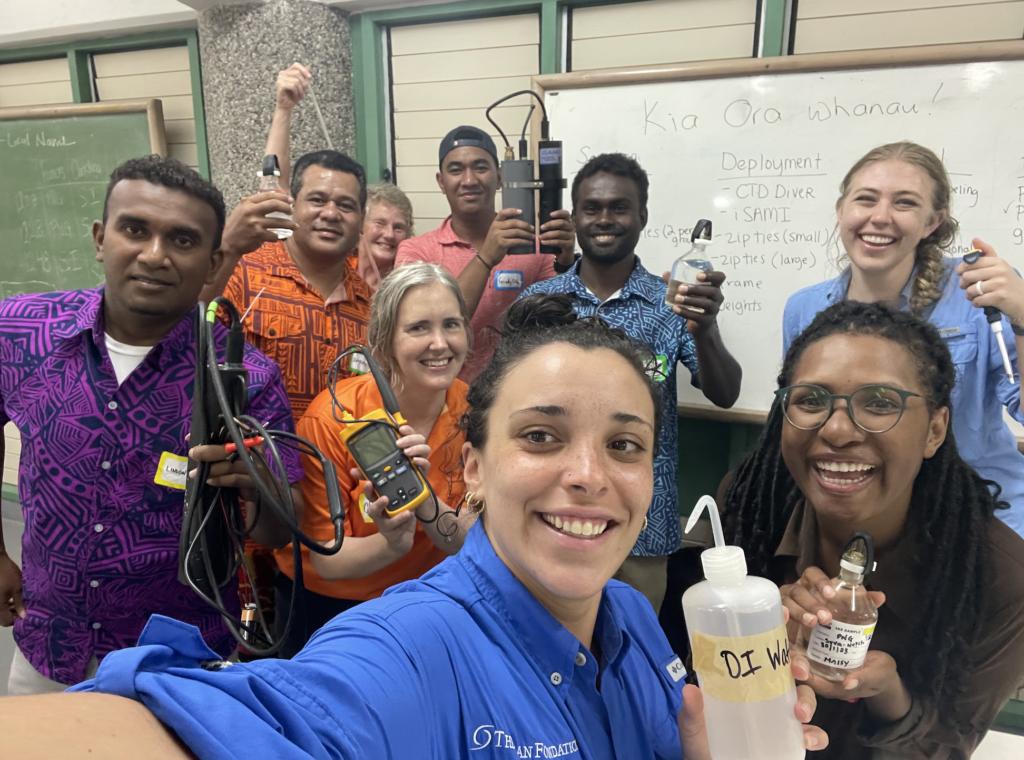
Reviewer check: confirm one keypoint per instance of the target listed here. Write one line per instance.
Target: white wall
(42, 22)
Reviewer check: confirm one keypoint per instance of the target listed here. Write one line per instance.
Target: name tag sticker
(359, 365)
(171, 471)
(945, 332)
(659, 373)
(676, 669)
(508, 280)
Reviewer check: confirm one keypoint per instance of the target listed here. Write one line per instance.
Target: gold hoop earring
(475, 504)
(645, 524)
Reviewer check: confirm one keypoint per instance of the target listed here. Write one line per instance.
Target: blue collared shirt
(463, 663)
(639, 310)
(982, 388)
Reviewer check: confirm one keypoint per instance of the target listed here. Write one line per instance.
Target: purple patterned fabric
(100, 550)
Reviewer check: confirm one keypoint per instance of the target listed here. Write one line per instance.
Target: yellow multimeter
(385, 465)
(374, 447)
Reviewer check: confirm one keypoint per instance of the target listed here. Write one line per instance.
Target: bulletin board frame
(153, 108)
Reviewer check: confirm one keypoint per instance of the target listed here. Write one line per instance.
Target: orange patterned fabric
(293, 324)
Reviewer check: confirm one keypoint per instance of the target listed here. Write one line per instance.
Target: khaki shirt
(997, 659)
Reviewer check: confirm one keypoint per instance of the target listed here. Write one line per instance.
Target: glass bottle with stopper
(740, 651)
(836, 649)
(269, 177)
(690, 264)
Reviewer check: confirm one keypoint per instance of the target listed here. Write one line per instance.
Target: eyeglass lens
(874, 408)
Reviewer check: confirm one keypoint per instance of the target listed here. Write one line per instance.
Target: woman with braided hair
(859, 439)
(894, 222)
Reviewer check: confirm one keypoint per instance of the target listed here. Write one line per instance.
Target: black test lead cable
(213, 527)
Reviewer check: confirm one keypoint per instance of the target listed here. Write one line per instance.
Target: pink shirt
(506, 282)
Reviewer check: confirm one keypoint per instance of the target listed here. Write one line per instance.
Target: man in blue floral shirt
(609, 197)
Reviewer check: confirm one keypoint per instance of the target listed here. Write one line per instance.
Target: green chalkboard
(55, 163)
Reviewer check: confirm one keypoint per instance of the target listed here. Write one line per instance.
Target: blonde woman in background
(895, 224)
(388, 222)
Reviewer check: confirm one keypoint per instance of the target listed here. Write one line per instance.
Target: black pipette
(994, 317)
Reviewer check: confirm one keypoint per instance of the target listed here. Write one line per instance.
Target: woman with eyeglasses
(859, 439)
(895, 225)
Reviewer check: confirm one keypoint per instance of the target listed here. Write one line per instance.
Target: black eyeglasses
(872, 408)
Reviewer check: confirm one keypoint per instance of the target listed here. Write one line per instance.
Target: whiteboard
(762, 157)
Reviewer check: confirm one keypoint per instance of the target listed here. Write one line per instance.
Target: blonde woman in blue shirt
(895, 224)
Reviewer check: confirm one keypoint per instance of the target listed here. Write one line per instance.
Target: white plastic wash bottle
(741, 655)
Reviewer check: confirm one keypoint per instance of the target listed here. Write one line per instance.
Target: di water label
(840, 645)
(744, 668)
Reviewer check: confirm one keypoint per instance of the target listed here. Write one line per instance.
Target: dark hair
(618, 164)
(333, 160)
(540, 320)
(169, 172)
(950, 506)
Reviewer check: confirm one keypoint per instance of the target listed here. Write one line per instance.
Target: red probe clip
(249, 443)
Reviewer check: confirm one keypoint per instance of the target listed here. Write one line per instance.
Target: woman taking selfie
(859, 439)
(518, 644)
(418, 334)
(895, 224)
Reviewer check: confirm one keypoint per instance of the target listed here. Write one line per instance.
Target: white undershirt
(616, 294)
(125, 358)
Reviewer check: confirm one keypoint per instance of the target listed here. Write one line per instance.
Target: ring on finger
(981, 291)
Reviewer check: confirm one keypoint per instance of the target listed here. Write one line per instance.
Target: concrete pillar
(242, 47)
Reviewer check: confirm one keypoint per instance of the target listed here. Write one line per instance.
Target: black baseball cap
(463, 137)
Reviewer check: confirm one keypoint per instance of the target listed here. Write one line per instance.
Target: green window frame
(368, 64)
(77, 54)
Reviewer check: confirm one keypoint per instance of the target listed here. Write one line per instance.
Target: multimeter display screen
(373, 445)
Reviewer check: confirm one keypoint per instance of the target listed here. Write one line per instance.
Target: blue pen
(994, 317)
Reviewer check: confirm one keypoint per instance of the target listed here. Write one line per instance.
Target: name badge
(359, 365)
(508, 280)
(172, 471)
(659, 373)
(947, 332)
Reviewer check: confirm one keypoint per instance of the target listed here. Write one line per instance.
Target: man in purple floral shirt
(99, 382)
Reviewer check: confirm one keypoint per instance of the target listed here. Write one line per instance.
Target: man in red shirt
(473, 242)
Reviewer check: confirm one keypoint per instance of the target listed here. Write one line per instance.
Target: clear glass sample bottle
(686, 268)
(835, 650)
(741, 655)
(270, 179)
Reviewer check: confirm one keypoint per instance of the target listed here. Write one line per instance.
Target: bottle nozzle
(716, 520)
(723, 564)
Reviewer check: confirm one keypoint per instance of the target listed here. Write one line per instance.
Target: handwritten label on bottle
(743, 668)
(840, 645)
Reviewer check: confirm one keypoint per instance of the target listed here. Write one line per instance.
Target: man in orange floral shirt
(305, 299)
(313, 303)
